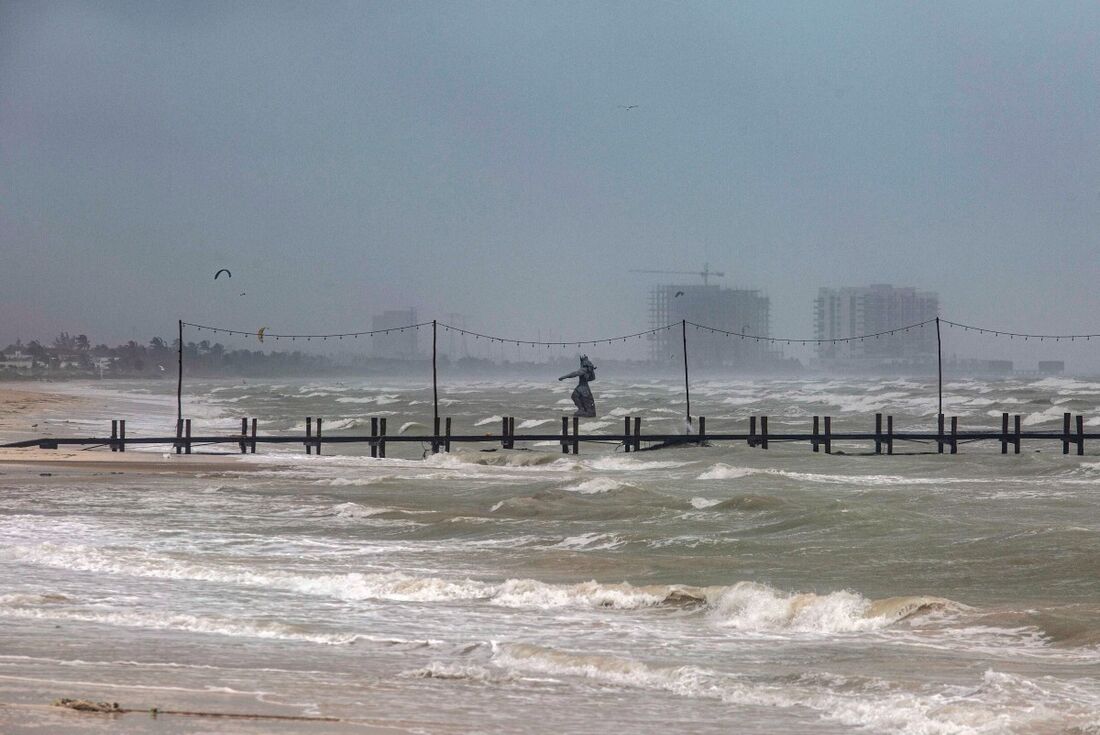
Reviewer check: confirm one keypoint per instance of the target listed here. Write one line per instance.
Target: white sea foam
(701, 503)
(351, 481)
(533, 423)
(354, 510)
(593, 541)
(995, 703)
(755, 607)
(458, 672)
(355, 585)
(625, 464)
(723, 471)
(488, 420)
(744, 606)
(236, 626)
(596, 486)
(380, 400)
(594, 425)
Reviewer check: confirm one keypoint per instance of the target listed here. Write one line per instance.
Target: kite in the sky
(260, 333)
(223, 270)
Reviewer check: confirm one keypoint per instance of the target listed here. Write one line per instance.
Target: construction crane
(706, 273)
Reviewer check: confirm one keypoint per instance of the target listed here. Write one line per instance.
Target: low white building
(18, 361)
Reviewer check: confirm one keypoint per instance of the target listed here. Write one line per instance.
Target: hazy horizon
(478, 159)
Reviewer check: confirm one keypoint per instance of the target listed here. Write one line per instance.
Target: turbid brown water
(698, 589)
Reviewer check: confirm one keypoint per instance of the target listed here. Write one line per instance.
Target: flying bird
(223, 270)
(243, 293)
(627, 107)
(677, 294)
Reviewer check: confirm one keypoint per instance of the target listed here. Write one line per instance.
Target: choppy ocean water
(701, 589)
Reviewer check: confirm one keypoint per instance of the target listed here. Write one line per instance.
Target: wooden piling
(889, 434)
(828, 435)
(763, 432)
(252, 446)
(435, 435)
(114, 435)
(309, 435)
(954, 434)
(939, 433)
(565, 435)
(122, 435)
(815, 440)
(1004, 432)
(576, 432)
(187, 436)
(179, 436)
(382, 437)
(637, 433)
(318, 440)
(447, 437)
(503, 432)
(511, 432)
(752, 431)
(1080, 435)
(179, 375)
(374, 436)
(702, 430)
(1065, 433)
(626, 434)
(878, 433)
(1016, 440)
(244, 432)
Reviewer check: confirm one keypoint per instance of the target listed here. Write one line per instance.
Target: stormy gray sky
(342, 158)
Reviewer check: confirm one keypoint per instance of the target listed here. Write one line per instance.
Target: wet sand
(149, 462)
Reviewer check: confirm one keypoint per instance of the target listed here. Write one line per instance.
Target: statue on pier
(582, 394)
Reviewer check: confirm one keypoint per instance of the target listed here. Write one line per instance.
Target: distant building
(975, 366)
(16, 361)
(1052, 367)
(854, 311)
(398, 344)
(735, 310)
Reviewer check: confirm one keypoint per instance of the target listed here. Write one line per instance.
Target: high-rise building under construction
(852, 311)
(735, 310)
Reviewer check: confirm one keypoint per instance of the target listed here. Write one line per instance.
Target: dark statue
(582, 394)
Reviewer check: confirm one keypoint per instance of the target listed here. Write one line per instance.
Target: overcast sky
(476, 158)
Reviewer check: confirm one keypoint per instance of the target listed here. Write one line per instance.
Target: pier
(947, 437)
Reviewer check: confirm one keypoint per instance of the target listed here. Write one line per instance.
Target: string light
(650, 332)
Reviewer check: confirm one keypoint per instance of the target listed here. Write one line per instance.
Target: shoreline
(155, 462)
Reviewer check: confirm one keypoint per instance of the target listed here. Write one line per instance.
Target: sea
(709, 589)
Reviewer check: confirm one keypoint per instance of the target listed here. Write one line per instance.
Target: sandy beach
(26, 412)
(21, 404)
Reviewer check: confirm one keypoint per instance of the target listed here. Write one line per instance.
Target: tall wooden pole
(939, 363)
(179, 377)
(687, 390)
(435, 379)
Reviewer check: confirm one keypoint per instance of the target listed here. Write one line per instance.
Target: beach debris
(223, 270)
(87, 705)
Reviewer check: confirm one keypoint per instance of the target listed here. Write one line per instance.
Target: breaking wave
(986, 705)
(742, 606)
